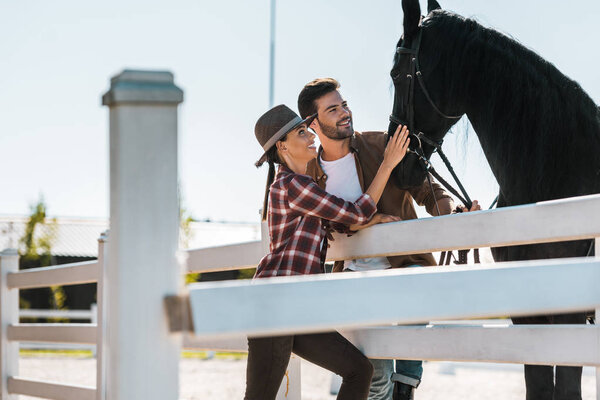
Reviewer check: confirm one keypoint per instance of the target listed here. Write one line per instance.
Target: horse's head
(417, 98)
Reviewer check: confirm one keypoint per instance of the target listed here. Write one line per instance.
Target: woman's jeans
(268, 359)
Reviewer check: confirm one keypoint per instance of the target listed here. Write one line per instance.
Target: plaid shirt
(297, 206)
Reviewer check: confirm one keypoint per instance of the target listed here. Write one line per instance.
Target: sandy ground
(224, 379)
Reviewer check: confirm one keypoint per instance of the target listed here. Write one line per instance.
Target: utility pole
(272, 56)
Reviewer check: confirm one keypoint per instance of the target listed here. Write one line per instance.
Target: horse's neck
(522, 149)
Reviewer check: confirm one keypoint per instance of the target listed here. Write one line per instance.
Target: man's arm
(424, 197)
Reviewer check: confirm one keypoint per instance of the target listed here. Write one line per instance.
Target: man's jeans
(382, 385)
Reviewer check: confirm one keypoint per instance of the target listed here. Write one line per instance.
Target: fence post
(9, 315)
(141, 356)
(290, 388)
(597, 255)
(99, 318)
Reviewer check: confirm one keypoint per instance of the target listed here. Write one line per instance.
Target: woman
(296, 210)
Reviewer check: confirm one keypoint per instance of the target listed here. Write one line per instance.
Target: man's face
(334, 117)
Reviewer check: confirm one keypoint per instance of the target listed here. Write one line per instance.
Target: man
(345, 166)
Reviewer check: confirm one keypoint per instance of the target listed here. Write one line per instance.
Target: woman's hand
(396, 147)
(378, 218)
(393, 154)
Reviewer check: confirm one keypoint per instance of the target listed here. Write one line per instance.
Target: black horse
(539, 130)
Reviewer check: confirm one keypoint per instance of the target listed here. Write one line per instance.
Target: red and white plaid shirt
(297, 206)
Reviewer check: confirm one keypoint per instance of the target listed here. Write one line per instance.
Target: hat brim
(308, 120)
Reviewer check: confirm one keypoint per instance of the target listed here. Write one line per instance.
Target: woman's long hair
(272, 159)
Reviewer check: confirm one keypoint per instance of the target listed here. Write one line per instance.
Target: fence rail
(49, 390)
(90, 314)
(53, 333)
(66, 274)
(32, 335)
(241, 307)
(548, 221)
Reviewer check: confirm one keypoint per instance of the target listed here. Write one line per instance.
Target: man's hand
(378, 218)
(474, 207)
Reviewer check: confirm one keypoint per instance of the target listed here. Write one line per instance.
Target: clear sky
(57, 58)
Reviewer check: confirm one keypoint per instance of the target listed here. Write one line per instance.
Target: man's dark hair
(313, 91)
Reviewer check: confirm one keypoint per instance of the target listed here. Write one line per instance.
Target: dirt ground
(219, 379)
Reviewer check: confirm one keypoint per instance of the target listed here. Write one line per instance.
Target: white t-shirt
(342, 181)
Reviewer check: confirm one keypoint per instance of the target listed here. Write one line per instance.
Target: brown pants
(268, 359)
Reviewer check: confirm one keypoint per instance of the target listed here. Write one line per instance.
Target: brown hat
(274, 124)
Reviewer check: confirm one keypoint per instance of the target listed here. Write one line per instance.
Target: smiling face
(334, 118)
(299, 145)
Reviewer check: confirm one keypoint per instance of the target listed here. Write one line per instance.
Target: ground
(218, 379)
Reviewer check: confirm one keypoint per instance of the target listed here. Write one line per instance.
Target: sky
(57, 59)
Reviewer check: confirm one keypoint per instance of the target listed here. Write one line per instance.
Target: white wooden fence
(13, 332)
(137, 356)
(317, 303)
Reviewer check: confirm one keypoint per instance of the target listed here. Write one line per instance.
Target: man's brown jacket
(368, 149)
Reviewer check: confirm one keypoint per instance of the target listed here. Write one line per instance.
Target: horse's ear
(432, 5)
(412, 16)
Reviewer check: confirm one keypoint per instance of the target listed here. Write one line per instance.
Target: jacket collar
(353, 149)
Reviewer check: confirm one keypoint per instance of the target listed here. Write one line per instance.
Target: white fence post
(99, 318)
(597, 255)
(9, 315)
(142, 357)
(290, 388)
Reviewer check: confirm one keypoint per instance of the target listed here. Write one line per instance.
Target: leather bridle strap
(438, 148)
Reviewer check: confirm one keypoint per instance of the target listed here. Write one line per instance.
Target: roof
(78, 237)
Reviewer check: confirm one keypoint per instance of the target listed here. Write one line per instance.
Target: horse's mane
(548, 129)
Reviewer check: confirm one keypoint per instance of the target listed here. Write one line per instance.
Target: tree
(36, 242)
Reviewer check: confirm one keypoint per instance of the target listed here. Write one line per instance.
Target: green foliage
(37, 243)
(247, 273)
(185, 224)
(186, 234)
(200, 355)
(38, 247)
(191, 278)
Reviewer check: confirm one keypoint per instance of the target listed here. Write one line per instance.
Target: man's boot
(402, 391)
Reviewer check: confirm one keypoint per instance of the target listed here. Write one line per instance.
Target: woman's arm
(394, 153)
(378, 218)
(306, 197)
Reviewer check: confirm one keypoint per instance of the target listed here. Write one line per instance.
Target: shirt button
(324, 176)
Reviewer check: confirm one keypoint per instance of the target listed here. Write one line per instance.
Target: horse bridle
(415, 71)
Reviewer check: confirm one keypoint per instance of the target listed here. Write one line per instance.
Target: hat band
(279, 134)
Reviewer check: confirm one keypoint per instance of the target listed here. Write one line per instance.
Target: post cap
(142, 87)
(9, 252)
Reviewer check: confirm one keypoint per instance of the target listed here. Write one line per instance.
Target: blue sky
(57, 59)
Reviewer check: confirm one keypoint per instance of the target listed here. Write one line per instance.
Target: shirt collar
(320, 171)
(353, 148)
